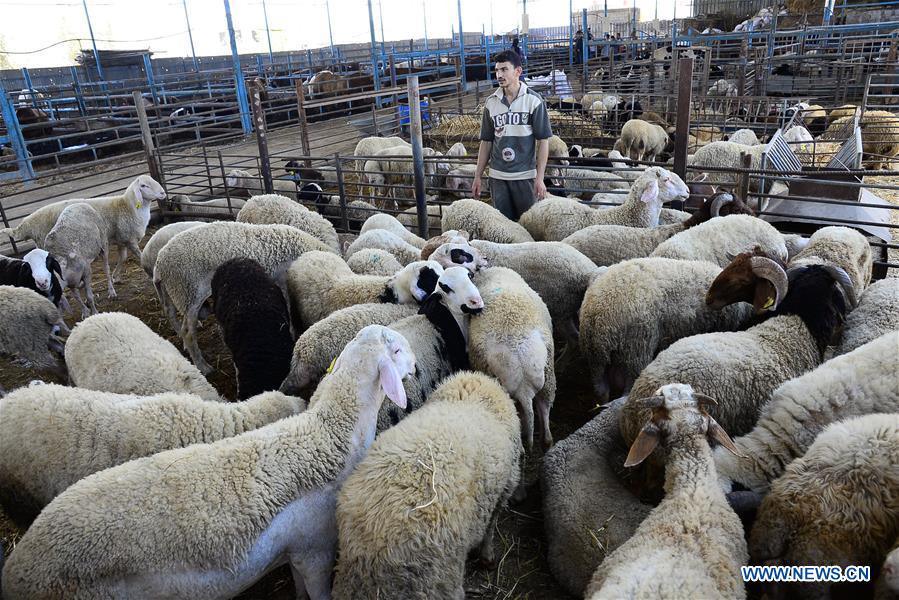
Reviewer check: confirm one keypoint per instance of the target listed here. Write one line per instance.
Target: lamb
(888, 583)
(511, 339)
(643, 141)
(587, 511)
(272, 209)
(459, 254)
(384, 240)
(836, 505)
(207, 210)
(691, 544)
(438, 336)
(556, 271)
(747, 137)
(460, 178)
(93, 431)
(27, 322)
(321, 283)
(554, 219)
(370, 146)
(316, 348)
(391, 224)
(255, 322)
(127, 216)
(841, 247)
(483, 222)
(427, 493)
(743, 368)
(606, 245)
(255, 501)
(384, 168)
(159, 239)
(719, 240)
(640, 307)
(861, 382)
(101, 355)
(186, 265)
(372, 261)
(79, 236)
(877, 313)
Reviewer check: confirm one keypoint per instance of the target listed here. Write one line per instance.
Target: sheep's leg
(85, 311)
(526, 404)
(543, 407)
(110, 291)
(89, 291)
(487, 556)
(167, 305)
(189, 338)
(314, 573)
(120, 265)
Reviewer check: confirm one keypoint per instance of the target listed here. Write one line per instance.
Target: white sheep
(409, 217)
(385, 240)
(554, 219)
(483, 222)
(841, 247)
(556, 271)
(450, 236)
(27, 322)
(94, 430)
(798, 134)
(207, 210)
(587, 182)
(244, 183)
(639, 307)
(219, 515)
(459, 253)
(587, 510)
(643, 141)
(159, 239)
(321, 283)
(511, 339)
(861, 382)
(430, 490)
(370, 146)
(877, 313)
(185, 266)
(272, 209)
(457, 149)
(719, 240)
(393, 225)
(393, 165)
(460, 178)
(747, 137)
(742, 368)
(78, 237)
(372, 261)
(727, 156)
(127, 216)
(317, 347)
(116, 352)
(888, 583)
(691, 545)
(836, 505)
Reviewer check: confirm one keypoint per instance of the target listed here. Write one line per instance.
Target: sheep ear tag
(391, 382)
(651, 192)
(139, 203)
(331, 366)
(643, 446)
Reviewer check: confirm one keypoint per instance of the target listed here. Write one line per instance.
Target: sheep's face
(666, 187)
(415, 281)
(459, 291)
(750, 277)
(391, 353)
(37, 260)
(375, 179)
(460, 254)
(148, 190)
(71, 268)
(890, 571)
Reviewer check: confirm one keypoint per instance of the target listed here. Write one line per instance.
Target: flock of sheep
(748, 381)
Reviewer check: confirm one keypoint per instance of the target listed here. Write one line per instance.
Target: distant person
(514, 136)
(515, 47)
(579, 47)
(589, 39)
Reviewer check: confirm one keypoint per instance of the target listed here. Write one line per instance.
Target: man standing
(515, 134)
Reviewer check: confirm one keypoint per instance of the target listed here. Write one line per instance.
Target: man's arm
(542, 155)
(484, 149)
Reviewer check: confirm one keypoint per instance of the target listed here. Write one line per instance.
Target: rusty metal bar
(418, 165)
(301, 113)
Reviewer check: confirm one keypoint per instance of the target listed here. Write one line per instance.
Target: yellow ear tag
(768, 303)
(138, 204)
(331, 366)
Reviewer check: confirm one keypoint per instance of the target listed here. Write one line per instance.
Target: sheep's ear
(391, 382)
(643, 446)
(717, 433)
(651, 192)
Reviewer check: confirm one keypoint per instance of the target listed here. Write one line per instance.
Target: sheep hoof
(112, 294)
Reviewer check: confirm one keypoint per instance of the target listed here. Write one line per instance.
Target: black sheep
(255, 323)
(19, 273)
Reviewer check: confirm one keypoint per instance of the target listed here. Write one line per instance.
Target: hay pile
(816, 154)
(572, 126)
(459, 128)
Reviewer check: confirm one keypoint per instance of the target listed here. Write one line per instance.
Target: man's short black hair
(509, 57)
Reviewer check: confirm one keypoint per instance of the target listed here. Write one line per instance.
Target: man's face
(506, 74)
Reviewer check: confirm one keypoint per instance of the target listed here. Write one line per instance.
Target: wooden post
(418, 165)
(684, 97)
(458, 88)
(265, 166)
(746, 163)
(341, 193)
(301, 113)
(707, 66)
(146, 136)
